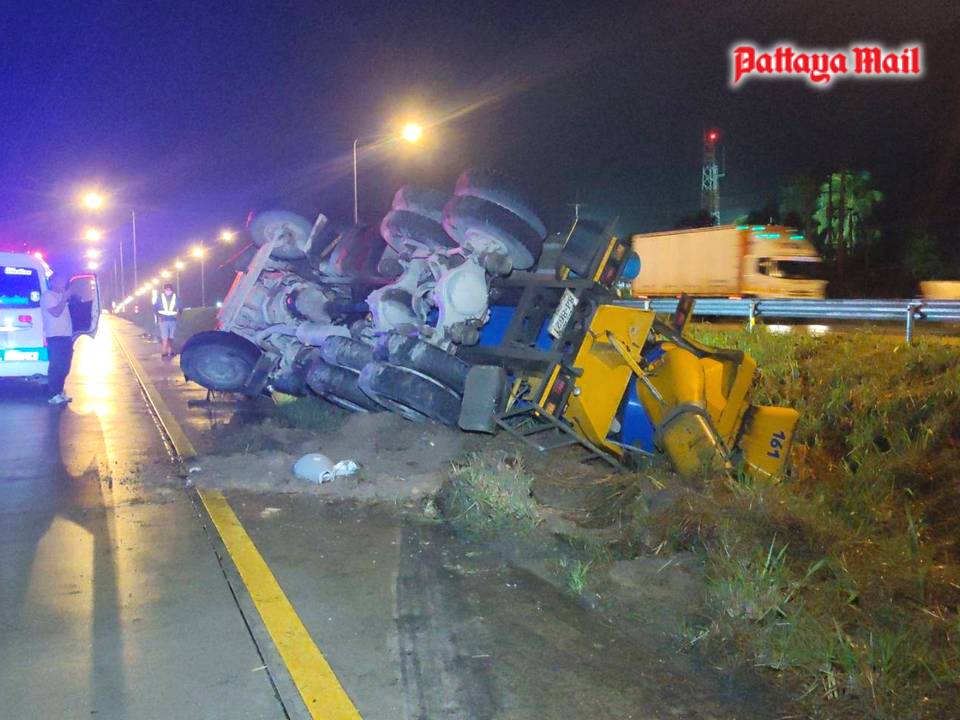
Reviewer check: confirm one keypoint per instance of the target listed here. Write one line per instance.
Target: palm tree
(845, 209)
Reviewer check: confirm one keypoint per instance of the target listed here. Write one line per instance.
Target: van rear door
(21, 324)
(84, 304)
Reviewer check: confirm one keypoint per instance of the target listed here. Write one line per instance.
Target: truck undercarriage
(462, 310)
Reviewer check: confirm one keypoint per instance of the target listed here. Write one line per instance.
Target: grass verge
(845, 577)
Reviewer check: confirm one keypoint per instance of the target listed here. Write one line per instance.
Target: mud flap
(484, 398)
(257, 382)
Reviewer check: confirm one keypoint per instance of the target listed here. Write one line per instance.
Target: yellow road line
(319, 687)
(181, 443)
(321, 691)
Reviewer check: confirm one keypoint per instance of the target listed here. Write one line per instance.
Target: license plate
(563, 313)
(20, 355)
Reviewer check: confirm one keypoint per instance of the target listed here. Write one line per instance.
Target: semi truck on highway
(764, 261)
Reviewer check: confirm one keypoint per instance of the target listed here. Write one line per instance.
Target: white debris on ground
(396, 460)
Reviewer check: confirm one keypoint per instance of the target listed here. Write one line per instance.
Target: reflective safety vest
(167, 307)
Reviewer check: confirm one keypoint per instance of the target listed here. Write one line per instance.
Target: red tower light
(713, 136)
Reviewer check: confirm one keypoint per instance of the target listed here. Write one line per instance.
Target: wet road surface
(113, 602)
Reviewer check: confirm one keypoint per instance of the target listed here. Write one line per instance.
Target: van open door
(84, 304)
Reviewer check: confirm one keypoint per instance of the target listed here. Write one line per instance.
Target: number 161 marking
(776, 442)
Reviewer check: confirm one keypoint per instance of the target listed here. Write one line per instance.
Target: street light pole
(411, 133)
(356, 206)
(133, 223)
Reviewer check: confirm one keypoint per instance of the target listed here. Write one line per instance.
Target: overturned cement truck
(462, 310)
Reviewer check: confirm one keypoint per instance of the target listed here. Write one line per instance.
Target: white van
(23, 347)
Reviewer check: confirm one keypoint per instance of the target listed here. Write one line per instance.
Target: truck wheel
(420, 200)
(219, 361)
(291, 229)
(402, 228)
(472, 221)
(496, 188)
(430, 360)
(585, 242)
(346, 353)
(410, 393)
(339, 386)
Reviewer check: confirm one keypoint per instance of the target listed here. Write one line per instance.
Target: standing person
(58, 329)
(167, 309)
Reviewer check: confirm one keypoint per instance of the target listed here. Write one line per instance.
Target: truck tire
(402, 227)
(428, 359)
(273, 224)
(420, 200)
(410, 394)
(339, 386)
(467, 218)
(346, 353)
(585, 243)
(497, 188)
(219, 361)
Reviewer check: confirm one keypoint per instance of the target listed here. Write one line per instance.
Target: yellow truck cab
(23, 346)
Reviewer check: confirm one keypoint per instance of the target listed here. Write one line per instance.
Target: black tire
(339, 386)
(466, 218)
(346, 353)
(272, 224)
(585, 243)
(218, 360)
(358, 252)
(428, 359)
(402, 228)
(389, 264)
(410, 394)
(496, 188)
(420, 200)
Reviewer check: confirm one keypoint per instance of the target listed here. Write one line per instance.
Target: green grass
(307, 413)
(487, 495)
(843, 578)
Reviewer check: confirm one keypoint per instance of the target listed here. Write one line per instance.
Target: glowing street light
(179, 264)
(227, 236)
(198, 251)
(92, 200)
(92, 254)
(411, 132)
(165, 274)
(93, 265)
(95, 200)
(93, 235)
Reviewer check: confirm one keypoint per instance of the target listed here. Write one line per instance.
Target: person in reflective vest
(167, 308)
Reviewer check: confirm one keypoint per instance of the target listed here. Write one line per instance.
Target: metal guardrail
(907, 311)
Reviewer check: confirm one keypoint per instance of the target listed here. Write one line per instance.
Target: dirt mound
(398, 459)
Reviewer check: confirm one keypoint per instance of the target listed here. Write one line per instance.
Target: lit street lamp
(94, 200)
(92, 254)
(411, 132)
(227, 236)
(93, 235)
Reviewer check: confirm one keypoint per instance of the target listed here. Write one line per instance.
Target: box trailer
(766, 261)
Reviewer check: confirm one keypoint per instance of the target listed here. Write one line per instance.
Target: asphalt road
(118, 600)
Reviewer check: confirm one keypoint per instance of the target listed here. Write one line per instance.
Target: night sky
(195, 113)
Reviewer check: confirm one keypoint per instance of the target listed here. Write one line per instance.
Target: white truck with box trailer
(764, 261)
